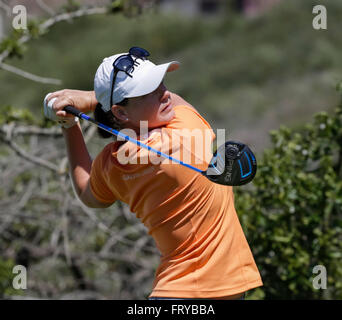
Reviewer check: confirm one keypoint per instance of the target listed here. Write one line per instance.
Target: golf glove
(65, 122)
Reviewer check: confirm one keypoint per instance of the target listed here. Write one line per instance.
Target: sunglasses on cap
(125, 63)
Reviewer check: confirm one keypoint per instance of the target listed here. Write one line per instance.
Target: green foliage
(129, 8)
(116, 6)
(12, 45)
(293, 215)
(34, 29)
(10, 114)
(71, 5)
(6, 278)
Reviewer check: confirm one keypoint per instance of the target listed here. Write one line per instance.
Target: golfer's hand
(84, 101)
(66, 122)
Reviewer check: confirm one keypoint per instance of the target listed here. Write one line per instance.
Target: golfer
(204, 253)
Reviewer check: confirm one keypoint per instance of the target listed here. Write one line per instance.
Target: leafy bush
(6, 277)
(293, 215)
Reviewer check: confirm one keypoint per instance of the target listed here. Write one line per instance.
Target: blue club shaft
(81, 115)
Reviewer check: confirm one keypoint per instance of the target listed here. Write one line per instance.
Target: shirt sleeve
(99, 182)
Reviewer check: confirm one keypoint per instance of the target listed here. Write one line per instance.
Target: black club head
(233, 164)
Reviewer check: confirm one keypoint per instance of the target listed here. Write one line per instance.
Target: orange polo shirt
(204, 253)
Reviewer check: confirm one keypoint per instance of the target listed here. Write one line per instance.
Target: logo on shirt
(127, 177)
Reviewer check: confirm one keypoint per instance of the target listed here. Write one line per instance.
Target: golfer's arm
(80, 165)
(93, 101)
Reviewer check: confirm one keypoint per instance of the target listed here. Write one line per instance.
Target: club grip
(73, 111)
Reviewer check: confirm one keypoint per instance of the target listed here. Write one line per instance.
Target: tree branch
(31, 130)
(25, 155)
(45, 7)
(29, 75)
(71, 15)
(6, 7)
(43, 26)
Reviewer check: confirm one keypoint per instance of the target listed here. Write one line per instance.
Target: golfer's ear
(120, 113)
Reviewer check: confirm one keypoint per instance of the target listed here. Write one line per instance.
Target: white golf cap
(146, 77)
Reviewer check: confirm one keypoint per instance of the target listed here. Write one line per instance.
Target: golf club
(233, 163)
